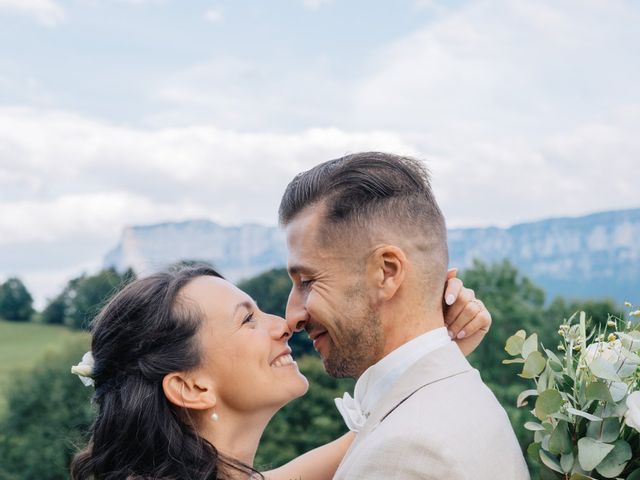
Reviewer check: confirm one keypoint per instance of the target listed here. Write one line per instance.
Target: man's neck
(405, 328)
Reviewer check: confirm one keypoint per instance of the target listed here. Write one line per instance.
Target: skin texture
(237, 378)
(358, 303)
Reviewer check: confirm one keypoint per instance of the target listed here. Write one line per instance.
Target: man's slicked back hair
(365, 189)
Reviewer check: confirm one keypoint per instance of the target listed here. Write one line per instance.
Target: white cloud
(46, 12)
(214, 15)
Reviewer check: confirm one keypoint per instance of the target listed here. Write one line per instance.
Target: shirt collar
(378, 378)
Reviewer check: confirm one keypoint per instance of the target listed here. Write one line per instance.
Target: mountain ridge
(594, 255)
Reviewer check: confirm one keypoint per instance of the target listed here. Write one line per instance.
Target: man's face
(330, 297)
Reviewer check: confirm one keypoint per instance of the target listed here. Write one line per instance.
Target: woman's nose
(279, 328)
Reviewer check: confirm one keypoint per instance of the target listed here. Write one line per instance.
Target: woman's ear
(388, 267)
(189, 391)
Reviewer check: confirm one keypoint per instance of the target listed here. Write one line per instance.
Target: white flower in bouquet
(632, 417)
(623, 361)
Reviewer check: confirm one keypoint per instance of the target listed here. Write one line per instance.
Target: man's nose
(296, 314)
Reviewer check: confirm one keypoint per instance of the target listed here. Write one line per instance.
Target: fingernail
(450, 299)
(462, 334)
(451, 334)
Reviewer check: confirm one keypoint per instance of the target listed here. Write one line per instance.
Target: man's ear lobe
(186, 391)
(391, 266)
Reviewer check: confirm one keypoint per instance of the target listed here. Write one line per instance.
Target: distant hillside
(592, 256)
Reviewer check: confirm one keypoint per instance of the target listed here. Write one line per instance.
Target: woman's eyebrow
(244, 304)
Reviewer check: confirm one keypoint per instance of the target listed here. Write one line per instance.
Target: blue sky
(120, 112)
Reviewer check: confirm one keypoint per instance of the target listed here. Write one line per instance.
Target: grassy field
(22, 345)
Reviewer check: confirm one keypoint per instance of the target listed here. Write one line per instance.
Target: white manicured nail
(450, 299)
(451, 334)
(462, 334)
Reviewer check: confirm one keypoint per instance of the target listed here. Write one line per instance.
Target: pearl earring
(214, 417)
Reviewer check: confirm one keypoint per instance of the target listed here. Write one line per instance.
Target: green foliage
(16, 303)
(49, 411)
(83, 297)
(22, 346)
(271, 291)
(586, 391)
(307, 422)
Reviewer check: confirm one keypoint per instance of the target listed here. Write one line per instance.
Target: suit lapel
(438, 365)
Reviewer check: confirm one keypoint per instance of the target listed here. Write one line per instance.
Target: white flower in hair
(84, 369)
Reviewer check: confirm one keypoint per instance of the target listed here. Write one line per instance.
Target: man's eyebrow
(298, 270)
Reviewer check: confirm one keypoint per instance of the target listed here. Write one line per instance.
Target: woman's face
(245, 350)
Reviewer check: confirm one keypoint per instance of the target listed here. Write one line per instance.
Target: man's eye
(248, 319)
(305, 283)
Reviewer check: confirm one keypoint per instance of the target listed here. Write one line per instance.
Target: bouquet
(586, 400)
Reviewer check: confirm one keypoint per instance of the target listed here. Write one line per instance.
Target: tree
(55, 311)
(271, 291)
(48, 415)
(16, 303)
(83, 297)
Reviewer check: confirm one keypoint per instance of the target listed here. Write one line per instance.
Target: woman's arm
(318, 464)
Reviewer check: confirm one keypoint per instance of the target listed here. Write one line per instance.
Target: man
(368, 258)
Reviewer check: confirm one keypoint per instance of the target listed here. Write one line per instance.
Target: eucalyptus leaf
(547, 403)
(521, 333)
(618, 390)
(550, 461)
(611, 410)
(635, 475)
(566, 462)
(579, 476)
(534, 427)
(514, 345)
(598, 391)
(530, 345)
(553, 358)
(560, 441)
(543, 380)
(533, 366)
(512, 360)
(606, 430)
(580, 413)
(520, 402)
(591, 452)
(561, 416)
(614, 463)
(533, 452)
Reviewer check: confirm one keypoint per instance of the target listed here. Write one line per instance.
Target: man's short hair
(368, 190)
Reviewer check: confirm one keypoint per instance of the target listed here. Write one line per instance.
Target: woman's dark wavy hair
(141, 335)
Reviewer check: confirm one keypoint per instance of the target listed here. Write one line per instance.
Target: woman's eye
(248, 319)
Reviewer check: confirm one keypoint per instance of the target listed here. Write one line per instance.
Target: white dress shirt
(380, 377)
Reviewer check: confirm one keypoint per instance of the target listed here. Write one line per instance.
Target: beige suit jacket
(439, 421)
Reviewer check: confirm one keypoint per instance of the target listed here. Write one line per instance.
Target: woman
(188, 372)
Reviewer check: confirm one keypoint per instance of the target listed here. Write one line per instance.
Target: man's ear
(189, 391)
(388, 267)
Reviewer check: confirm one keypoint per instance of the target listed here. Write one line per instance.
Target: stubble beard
(361, 343)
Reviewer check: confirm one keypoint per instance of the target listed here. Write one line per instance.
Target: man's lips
(316, 337)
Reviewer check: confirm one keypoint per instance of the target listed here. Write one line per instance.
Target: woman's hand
(466, 317)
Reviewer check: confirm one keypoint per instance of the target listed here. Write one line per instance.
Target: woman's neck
(236, 434)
